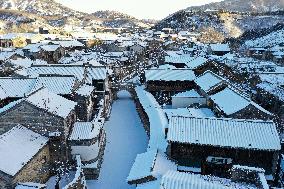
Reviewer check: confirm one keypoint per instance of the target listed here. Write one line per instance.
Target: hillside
(229, 23)
(48, 13)
(270, 40)
(243, 6)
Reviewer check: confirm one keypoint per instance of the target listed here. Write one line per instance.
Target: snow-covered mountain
(49, 12)
(232, 18)
(40, 7)
(244, 6)
(270, 40)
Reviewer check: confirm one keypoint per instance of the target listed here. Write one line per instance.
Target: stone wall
(84, 109)
(31, 117)
(79, 181)
(142, 114)
(37, 170)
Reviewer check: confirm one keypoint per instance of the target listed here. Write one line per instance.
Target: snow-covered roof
(151, 163)
(33, 47)
(195, 63)
(69, 43)
(97, 73)
(16, 87)
(15, 35)
(30, 185)
(273, 89)
(230, 101)
(85, 90)
(201, 112)
(22, 62)
(56, 84)
(181, 180)
(17, 147)
(187, 94)
(2, 94)
(6, 55)
(220, 47)
(209, 81)
(51, 102)
(169, 75)
(143, 165)
(85, 131)
(177, 112)
(49, 48)
(231, 133)
(178, 59)
(166, 66)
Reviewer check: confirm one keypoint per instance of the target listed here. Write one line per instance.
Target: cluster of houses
(214, 117)
(52, 114)
(208, 123)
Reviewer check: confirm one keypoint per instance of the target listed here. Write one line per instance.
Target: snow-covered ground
(125, 139)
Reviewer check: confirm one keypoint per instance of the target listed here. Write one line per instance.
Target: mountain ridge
(53, 14)
(242, 6)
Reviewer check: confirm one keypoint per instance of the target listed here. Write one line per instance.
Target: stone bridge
(128, 86)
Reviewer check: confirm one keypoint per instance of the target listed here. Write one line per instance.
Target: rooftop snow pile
(197, 62)
(209, 81)
(96, 73)
(169, 75)
(192, 93)
(56, 84)
(17, 148)
(178, 59)
(85, 90)
(179, 180)
(231, 133)
(220, 47)
(143, 165)
(15, 87)
(51, 102)
(85, 131)
(150, 164)
(230, 101)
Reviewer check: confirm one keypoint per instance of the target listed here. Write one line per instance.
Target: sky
(142, 9)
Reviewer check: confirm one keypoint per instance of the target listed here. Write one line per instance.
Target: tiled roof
(85, 131)
(232, 133)
(169, 75)
(17, 147)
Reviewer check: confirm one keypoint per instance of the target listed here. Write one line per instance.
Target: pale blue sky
(154, 9)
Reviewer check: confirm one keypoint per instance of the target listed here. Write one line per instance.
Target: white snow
(195, 63)
(17, 148)
(208, 80)
(234, 133)
(125, 139)
(87, 153)
(143, 165)
(231, 101)
(51, 102)
(157, 119)
(169, 75)
(192, 93)
(85, 90)
(85, 131)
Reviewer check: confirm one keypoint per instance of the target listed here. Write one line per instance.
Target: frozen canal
(125, 139)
